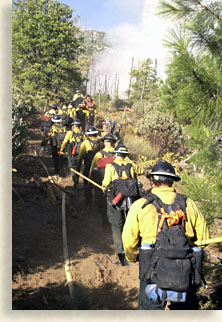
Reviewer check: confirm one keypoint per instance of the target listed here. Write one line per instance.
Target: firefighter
(53, 110)
(64, 115)
(97, 170)
(81, 111)
(145, 222)
(77, 98)
(57, 134)
(72, 142)
(116, 216)
(71, 110)
(88, 149)
(91, 110)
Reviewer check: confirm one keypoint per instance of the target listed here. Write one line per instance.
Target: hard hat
(56, 119)
(109, 137)
(165, 169)
(92, 130)
(121, 149)
(76, 122)
(54, 106)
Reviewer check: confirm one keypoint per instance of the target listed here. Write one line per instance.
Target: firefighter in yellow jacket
(97, 170)
(115, 214)
(57, 134)
(89, 147)
(72, 143)
(143, 225)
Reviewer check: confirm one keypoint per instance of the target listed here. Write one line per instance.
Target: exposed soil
(39, 278)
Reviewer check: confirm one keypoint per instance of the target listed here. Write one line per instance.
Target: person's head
(92, 131)
(109, 139)
(88, 98)
(121, 151)
(76, 123)
(54, 107)
(162, 174)
(56, 120)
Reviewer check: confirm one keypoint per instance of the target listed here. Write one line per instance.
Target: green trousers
(72, 164)
(116, 219)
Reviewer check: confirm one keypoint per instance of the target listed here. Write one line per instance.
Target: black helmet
(92, 130)
(109, 137)
(54, 106)
(121, 149)
(56, 119)
(165, 169)
(76, 122)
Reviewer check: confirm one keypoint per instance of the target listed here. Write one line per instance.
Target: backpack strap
(77, 135)
(93, 143)
(106, 154)
(164, 209)
(123, 167)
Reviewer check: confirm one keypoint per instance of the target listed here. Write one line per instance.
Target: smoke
(133, 41)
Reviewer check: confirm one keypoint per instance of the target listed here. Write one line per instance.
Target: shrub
(159, 128)
(139, 147)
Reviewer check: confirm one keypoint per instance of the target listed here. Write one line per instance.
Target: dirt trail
(39, 280)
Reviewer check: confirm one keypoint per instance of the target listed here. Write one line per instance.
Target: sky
(133, 30)
(105, 14)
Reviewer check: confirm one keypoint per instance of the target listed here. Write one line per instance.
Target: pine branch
(209, 10)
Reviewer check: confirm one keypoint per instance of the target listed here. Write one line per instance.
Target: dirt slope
(39, 279)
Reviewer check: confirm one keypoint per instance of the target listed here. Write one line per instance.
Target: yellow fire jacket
(97, 156)
(69, 138)
(56, 129)
(141, 224)
(111, 175)
(71, 111)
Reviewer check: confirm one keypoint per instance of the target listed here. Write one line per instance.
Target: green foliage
(192, 92)
(159, 128)
(45, 48)
(21, 109)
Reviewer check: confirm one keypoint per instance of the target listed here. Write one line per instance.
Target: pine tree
(192, 91)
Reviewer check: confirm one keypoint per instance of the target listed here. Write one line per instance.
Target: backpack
(78, 101)
(95, 145)
(59, 136)
(66, 120)
(122, 187)
(74, 146)
(107, 157)
(170, 263)
(46, 123)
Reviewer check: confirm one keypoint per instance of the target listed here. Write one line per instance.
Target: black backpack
(126, 187)
(170, 263)
(95, 145)
(74, 147)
